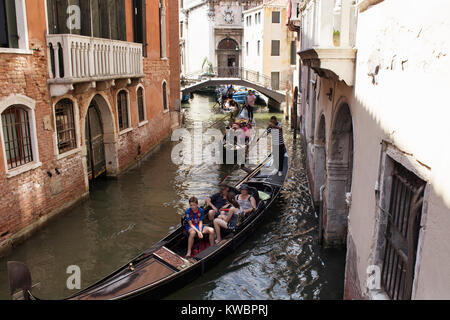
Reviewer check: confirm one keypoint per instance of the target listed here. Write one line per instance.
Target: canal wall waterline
(20, 237)
(23, 235)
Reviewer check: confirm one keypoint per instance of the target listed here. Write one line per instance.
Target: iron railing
(231, 72)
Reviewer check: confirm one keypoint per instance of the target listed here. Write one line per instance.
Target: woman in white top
(246, 201)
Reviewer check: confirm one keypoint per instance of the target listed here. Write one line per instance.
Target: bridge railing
(231, 72)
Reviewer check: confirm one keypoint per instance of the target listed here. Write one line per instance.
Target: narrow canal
(125, 216)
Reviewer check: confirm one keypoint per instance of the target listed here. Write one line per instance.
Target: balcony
(80, 63)
(295, 15)
(328, 38)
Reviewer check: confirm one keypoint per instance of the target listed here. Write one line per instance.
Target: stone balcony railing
(328, 29)
(80, 62)
(294, 22)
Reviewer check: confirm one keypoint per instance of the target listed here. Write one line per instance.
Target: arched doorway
(228, 58)
(339, 176)
(101, 154)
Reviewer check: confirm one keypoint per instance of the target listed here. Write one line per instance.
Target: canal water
(125, 216)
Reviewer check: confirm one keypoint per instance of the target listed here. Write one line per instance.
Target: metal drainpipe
(322, 188)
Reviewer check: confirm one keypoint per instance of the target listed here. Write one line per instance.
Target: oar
(228, 173)
(254, 172)
(221, 119)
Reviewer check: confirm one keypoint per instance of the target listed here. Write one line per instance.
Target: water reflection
(124, 216)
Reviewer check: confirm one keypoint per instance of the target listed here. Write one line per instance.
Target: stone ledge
(331, 62)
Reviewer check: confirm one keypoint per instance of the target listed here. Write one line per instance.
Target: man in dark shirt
(217, 201)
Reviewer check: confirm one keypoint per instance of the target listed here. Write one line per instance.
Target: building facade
(86, 89)
(373, 80)
(269, 47)
(212, 35)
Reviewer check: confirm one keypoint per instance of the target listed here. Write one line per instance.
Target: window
(275, 48)
(246, 48)
(139, 24)
(65, 126)
(122, 110)
(275, 16)
(293, 53)
(164, 92)
(9, 37)
(17, 136)
(259, 17)
(402, 232)
(140, 104)
(256, 18)
(275, 77)
(257, 47)
(181, 29)
(99, 18)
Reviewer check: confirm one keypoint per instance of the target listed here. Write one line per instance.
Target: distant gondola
(162, 269)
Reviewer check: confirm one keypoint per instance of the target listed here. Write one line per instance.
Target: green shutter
(13, 36)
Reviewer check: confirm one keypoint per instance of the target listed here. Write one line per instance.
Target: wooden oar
(254, 172)
(234, 167)
(221, 119)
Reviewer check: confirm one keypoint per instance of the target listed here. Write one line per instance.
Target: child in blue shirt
(194, 217)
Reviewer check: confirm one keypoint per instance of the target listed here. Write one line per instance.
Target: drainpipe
(322, 188)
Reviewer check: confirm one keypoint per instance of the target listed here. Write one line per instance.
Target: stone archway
(99, 125)
(339, 177)
(228, 58)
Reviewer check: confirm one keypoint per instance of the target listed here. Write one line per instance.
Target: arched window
(65, 126)
(140, 104)
(165, 96)
(17, 136)
(228, 44)
(122, 110)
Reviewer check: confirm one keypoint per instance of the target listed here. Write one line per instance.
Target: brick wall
(29, 198)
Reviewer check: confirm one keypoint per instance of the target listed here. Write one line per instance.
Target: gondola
(163, 268)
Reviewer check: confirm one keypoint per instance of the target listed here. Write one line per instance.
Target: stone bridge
(235, 76)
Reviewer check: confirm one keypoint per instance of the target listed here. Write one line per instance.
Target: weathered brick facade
(31, 194)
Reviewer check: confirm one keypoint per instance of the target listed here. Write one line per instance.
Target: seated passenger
(217, 201)
(228, 217)
(246, 201)
(194, 224)
(244, 135)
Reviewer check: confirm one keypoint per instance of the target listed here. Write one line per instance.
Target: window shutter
(275, 47)
(13, 36)
(3, 26)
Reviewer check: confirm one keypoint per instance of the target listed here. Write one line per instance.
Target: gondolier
(277, 142)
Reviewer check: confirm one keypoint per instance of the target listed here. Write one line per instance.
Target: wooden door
(96, 162)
